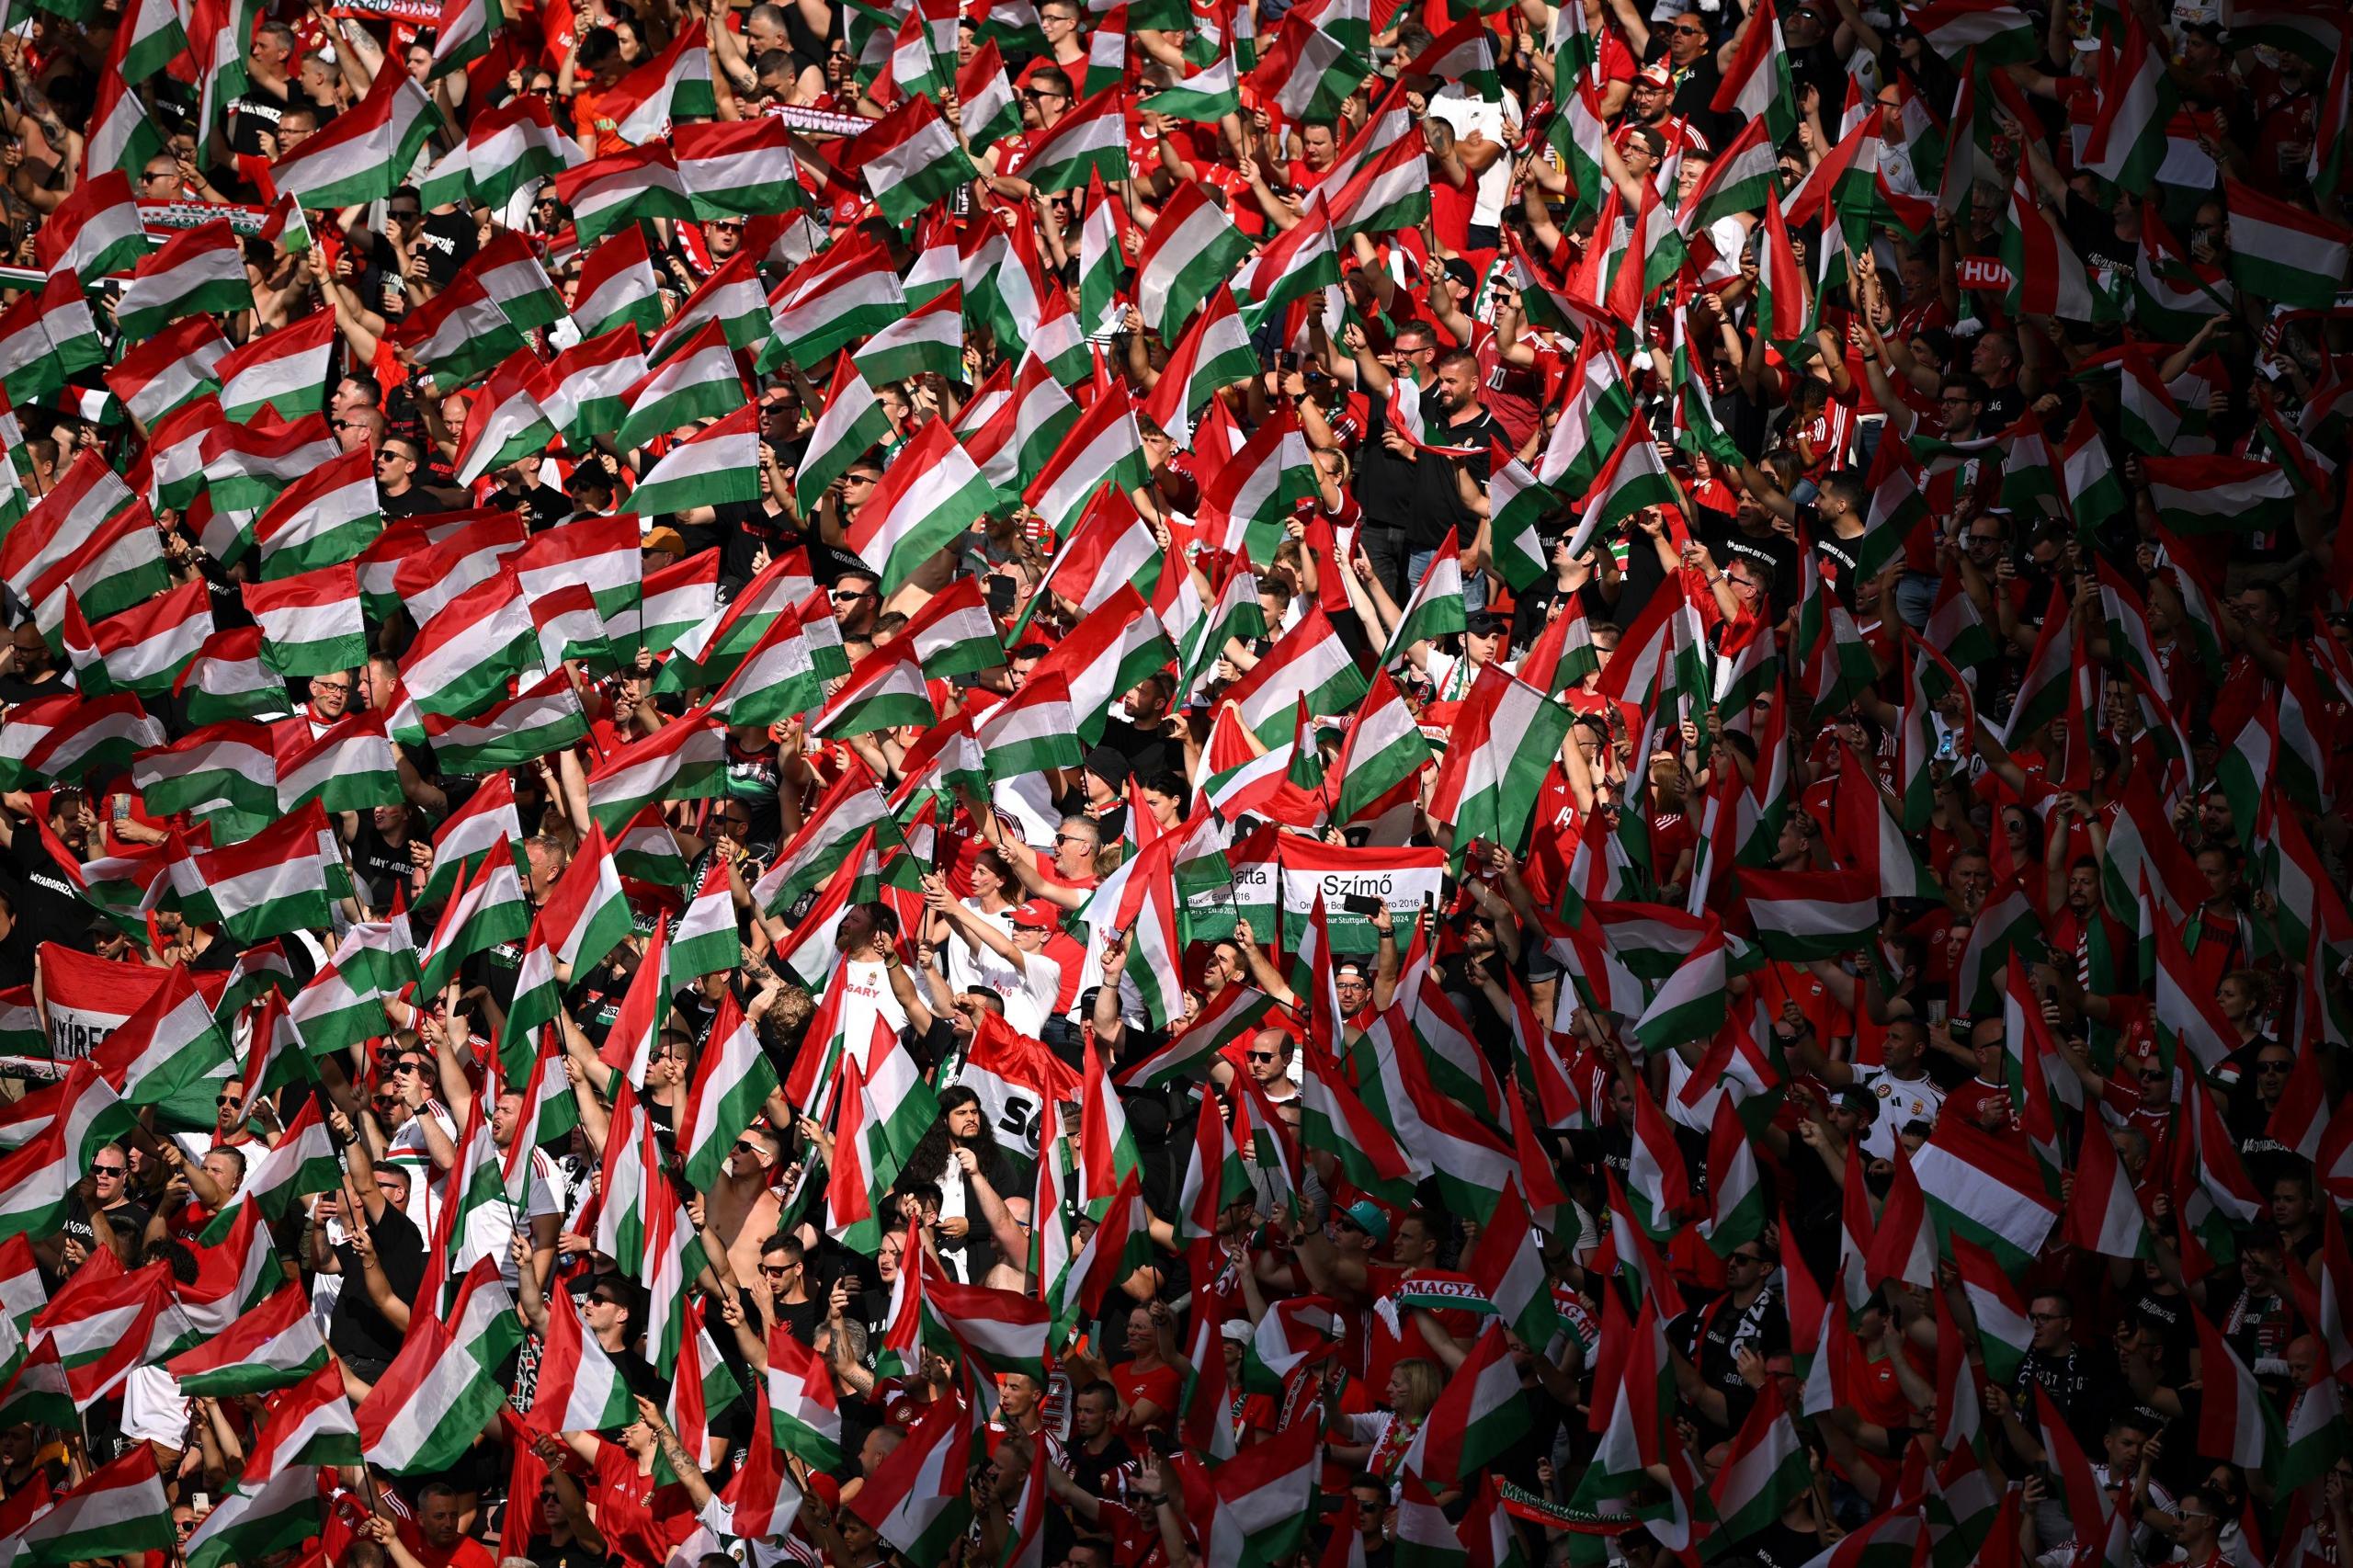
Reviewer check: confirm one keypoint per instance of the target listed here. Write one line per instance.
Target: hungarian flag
(580, 1387)
(1265, 1497)
(46, 337)
(1102, 447)
(2283, 253)
(365, 152)
(256, 1520)
(324, 518)
(930, 494)
(1091, 141)
(1506, 738)
(489, 910)
(617, 289)
(928, 340)
(1214, 353)
(2219, 494)
(2103, 1213)
(63, 738)
(94, 228)
(1765, 1471)
(443, 1387)
(1188, 255)
(119, 1510)
(624, 187)
(2047, 277)
(850, 424)
(732, 1080)
(848, 291)
(143, 650)
(1479, 1417)
(910, 159)
(719, 465)
(309, 1424)
(917, 1498)
(587, 387)
(510, 145)
(197, 271)
(171, 368)
(1381, 757)
(741, 168)
(1984, 1189)
(1802, 916)
(803, 1411)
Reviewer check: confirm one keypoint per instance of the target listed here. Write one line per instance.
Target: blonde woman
(1377, 1440)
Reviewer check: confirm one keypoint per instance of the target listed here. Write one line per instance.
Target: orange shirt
(590, 114)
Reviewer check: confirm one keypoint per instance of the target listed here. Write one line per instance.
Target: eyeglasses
(1690, 30)
(1749, 1258)
(2049, 1317)
(229, 1102)
(779, 1269)
(117, 1170)
(332, 687)
(849, 596)
(602, 1301)
(2153, 1074)
(2274, 1066)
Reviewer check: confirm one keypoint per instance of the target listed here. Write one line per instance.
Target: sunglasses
(116, 1171)
(227, 1102)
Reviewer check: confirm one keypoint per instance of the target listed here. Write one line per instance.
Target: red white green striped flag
(1090, 141)
(718, 465)
(2284, 253)
(2219, 493)
(886, 691)
(1506, 737)
(910, 159)
(851, 424)
(171, 367)
(928, 340)
(1189, 253)
(930, 494)
(365, 152)
(589, 385)
(120, 1510)
(684, 760)
(310, 623)
(275, 1346)
(63, 738)
(617, 288)
(1214, 353)
(580, 1387)
(742, 167)
(1802, 915)
(699, 380)
(732, 1080)
(197, 271)
(916, 1498)
(144, 649)
(490, 909)
(324, 518)
(848, 291)
(442, 1389)
(623, 188)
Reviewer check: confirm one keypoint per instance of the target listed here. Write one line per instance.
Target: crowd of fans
(1365, 784)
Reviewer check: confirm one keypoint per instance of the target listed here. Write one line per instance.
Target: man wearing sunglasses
(108, 1197)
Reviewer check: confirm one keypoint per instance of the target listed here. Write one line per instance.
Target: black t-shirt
(1422, 496)
(448, 240)
(40, 893)
(357, 1331)
(1094, 1471)
(1774, 553)
(415, 501)
(743, 529)
(257, 109)
(128, 1220)
(16, 689)
(542, 505)
(545, 1553)
(381, 866)
(1778, 1546)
